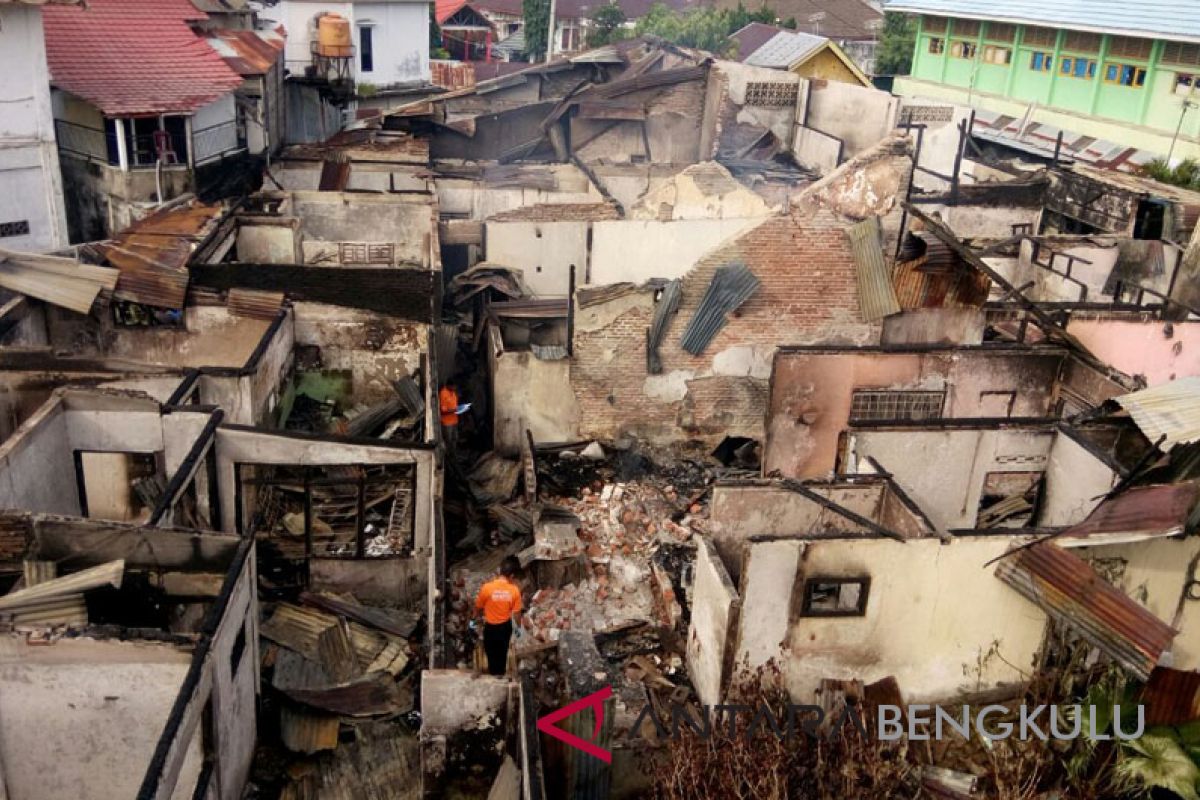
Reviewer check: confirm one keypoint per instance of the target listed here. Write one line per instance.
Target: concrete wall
(1075, 482)
(943, 471)
(365, 217)
(37, 471)
(637, 250)
(401, 51)
(913, 628)
(240, 446)
(1159, 351)
(704, 191)
(1156, 573)
(811, 393)
(857, 115)
(80, 720)
(543, 251)
(29, 170)
(715, 605)
(375, 349)
(211, 337)
(488, 196)
(530, 394)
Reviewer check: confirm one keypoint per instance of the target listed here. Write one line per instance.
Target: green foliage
(367, 89)
(1157, 761)
(1186, 173)
(608, 25)
(703, 28)
(537, 27)
(896, 43)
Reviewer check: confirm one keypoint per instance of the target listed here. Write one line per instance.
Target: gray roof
(1177, 20)
(784, 49)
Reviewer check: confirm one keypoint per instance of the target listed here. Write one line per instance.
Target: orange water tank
(333, 36)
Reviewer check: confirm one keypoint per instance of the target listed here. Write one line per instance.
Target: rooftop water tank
(333, 36)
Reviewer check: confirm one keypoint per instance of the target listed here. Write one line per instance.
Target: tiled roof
(130, 57)
(752, 37)
(837, 19)
(786, 48)
(580, 9)
(1167, 19)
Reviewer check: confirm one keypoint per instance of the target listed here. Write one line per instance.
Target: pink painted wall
(1143, 347)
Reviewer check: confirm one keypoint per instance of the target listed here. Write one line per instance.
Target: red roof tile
(130, 57)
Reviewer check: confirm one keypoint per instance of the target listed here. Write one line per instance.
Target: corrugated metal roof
(1142, 512)
(1073, 594)
(1171, 410)
(53, 279)
(1164, 19)
(153, 253)
(876, 293)
(786, 48)
(248, 52)
(108, 574)
(256, 304)
(1171, 696)
(731, 286)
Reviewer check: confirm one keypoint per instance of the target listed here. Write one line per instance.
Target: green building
(1125, 71)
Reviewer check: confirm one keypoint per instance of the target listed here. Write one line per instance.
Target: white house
(390, 40)
(32, 213)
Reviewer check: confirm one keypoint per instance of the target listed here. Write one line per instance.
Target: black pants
(495, 644)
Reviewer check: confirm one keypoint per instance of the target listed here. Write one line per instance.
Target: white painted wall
(400, 36)
(543, 251)
(714, 608)
(637, 250)
(30, 181)
(80, 720)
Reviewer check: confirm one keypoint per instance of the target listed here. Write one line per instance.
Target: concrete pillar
(122, 147)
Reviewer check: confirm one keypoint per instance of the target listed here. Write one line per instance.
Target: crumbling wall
(360, 217)
(702, 191)
(1050, 284)
(532, 394)
(376, 349)
(466, 718)
(857, 115)
(808, 293)
(507, 187)
(944, 470)
(812, 391)
(715, 610)
(913, 627)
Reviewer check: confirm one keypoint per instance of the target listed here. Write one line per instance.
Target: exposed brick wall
(808, 295)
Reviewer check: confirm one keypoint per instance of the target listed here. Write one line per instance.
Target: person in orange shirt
(448, 406)
(498, 603)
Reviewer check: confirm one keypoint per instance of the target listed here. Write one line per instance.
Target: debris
(593, 452)
(393, 621)
(305, 731)
(494, 478)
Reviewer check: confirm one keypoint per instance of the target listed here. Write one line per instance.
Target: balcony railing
(215, 142)
(85, 141)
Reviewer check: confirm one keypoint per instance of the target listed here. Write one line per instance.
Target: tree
(896, 43)
(537, 27)
(704, 28)
(1186, 173)
(608, 25)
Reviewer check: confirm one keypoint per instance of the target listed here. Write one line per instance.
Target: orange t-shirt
(499, 599)
(448, 405)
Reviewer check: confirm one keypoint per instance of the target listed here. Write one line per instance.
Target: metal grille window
(1001, 32)
(1082, 42)
(1181, 54)
(771, 95)
(967, 27)
(1129, 47)
(18, 228)
(870, 405)
(366, 252)
(1040, 37)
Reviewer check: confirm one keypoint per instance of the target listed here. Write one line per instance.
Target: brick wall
(808, 295)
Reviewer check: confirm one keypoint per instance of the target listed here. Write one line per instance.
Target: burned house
(128, 659)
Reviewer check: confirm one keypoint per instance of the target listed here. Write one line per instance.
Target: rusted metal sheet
(1171, 696)
(1073, 594)
(1140, 513)
(876, 294)
(251, 303)
(393, 621)
(335, 174)
(374, 695)
(249, 53)
(549, 308)
(450, 75)
(1171, 410)
(153, 253)
(652, 80)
